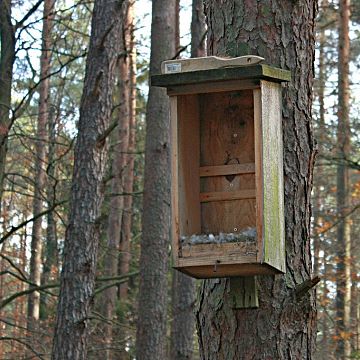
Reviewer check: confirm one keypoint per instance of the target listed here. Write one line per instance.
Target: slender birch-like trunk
(40, 163)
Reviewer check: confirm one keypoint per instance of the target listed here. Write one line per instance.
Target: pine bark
(121, 144)
(40, 164)
(7, 58)
(125, 256)
(82, 234)
(343, 268)
(282, 327)
(183, 286)
(151, 327)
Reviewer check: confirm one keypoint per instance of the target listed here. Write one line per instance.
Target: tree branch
(20, 23)
(14, 229)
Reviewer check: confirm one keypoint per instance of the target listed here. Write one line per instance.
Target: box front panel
(273, 176)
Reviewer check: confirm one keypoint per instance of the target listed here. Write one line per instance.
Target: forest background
(50, 39)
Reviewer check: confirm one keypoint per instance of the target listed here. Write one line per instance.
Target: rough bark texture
(130, 153)
(121, 140)
(40, 164)
(183, 286)
(343, 269)
(7, 58)
(151, 329)
(282, 327)
(82, 235)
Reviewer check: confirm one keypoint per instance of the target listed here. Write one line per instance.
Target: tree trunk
(343, 269)
(125, 255)
(7, 58)
(282, 327)
(51, 261)
(82, 235)
(121, 142)
(183, 286)
(151, 327)
(198, 29)
(40, 164)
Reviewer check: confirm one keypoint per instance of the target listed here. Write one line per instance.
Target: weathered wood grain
(207, 62)
(273, 175)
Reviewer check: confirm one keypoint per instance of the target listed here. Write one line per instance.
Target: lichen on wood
(246, 235)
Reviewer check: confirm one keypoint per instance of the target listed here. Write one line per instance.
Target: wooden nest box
(227, 166)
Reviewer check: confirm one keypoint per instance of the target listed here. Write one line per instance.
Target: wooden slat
(207, 62)
(225, 270)
(188, 126)
(220, 86)
(258, 174)
(175, 230)
(230, 169)
(230, 195)
(241, 250)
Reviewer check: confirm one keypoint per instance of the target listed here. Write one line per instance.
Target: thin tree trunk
(198, 29)
(121, 139)
(40, 164)
(343, 270)
(183, 286)
(318, 193)
(7, 58)
(125, 256)
(82, 235)
(282, 327)
(151, 327)
(51, 261)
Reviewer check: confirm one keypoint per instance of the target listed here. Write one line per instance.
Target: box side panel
(188, 138)
(259, 175)
(175, 230)
(273, 176)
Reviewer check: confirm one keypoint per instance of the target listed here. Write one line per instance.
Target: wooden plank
(234, 258)
(175, 230)
(244, 291)
(260, 71)
(207, 62)
(226, 270)
(230, 195)
(273, 175)
(258, 174)
(242, 250)
(188, 164)
(227, 138)
(219, 86)
(229, 169)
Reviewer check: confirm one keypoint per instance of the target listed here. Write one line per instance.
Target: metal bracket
(244, 292)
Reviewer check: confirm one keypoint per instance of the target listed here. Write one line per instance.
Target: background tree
(183, 286)
(343, 283)
(40, 162)
(152, 311)
(81, 242)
